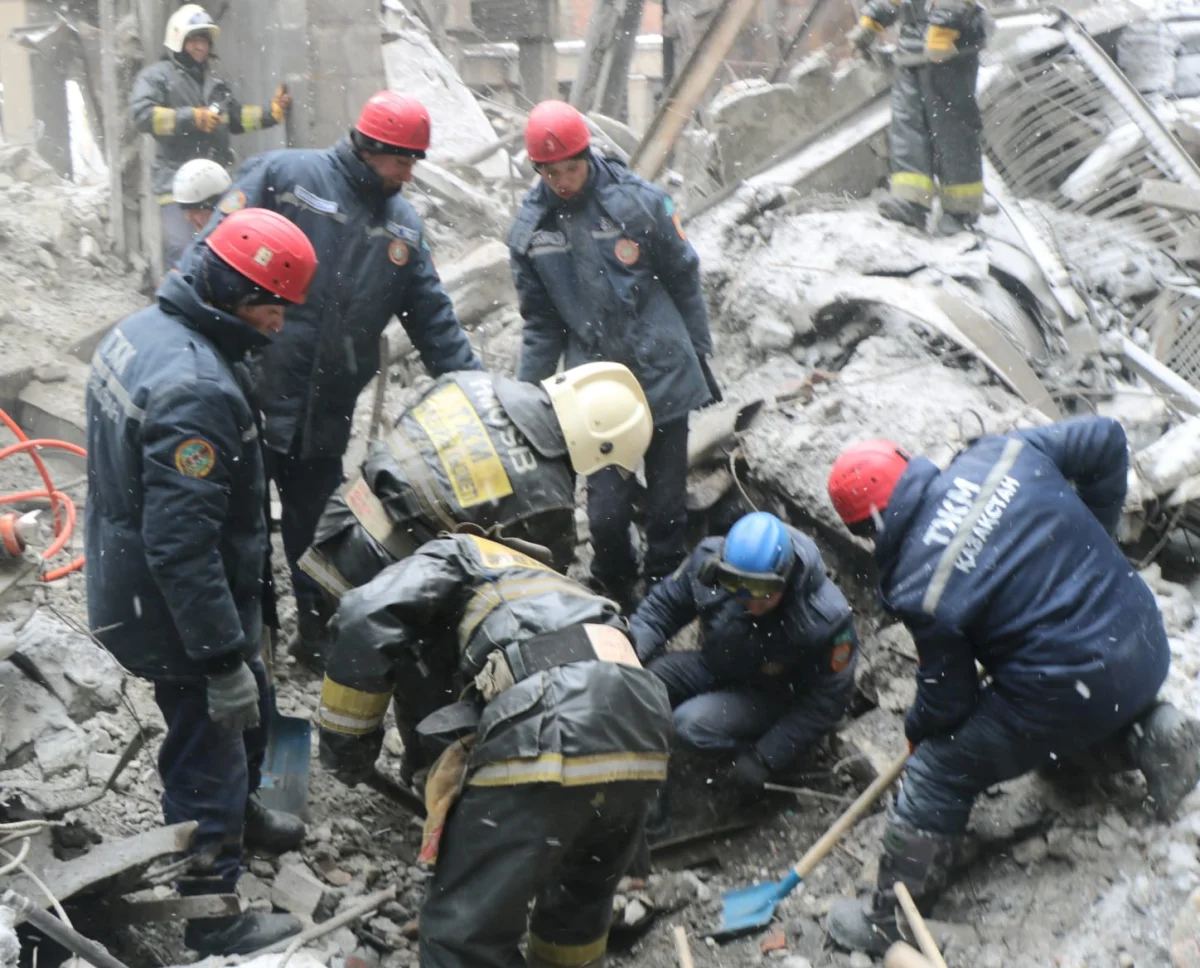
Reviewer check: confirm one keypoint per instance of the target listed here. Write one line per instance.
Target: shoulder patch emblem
(235, 201)
(195, 458)
(398, 253)
(841, 655)
(627, 251)
(679, 226)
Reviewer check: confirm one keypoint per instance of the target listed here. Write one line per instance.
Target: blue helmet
(759, 544)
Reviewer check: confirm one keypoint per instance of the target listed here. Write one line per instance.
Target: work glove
(233, 699)
(861, 38)
(204, 119)
(280, 103)
(749, 770)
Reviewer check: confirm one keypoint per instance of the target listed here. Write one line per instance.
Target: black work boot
(271, 830)
(658, 820)
(239, 935)
(905, 212)
(310, 645)
(920, 859)
(952, 223)
(1165, 745)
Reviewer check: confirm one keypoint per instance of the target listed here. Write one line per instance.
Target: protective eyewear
(749, 586)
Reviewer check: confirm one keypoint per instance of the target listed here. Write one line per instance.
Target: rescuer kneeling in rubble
(554, 756)
(479, 449)
(775, 668)
(934, 139)
(604, 272)
(1007, 558)
(177, 543)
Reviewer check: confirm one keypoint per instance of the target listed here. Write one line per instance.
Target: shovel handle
(865, 801)
(920, 929)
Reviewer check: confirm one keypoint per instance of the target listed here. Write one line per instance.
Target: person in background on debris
(587, 418)
(775, 669)
(191, 112)
(197, 188)
(374, 265)
(1006, 558)
(177, 543)
(557, 748)
(604, 272)
(934, 140)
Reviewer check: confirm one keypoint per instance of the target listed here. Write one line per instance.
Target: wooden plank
(1172, 195)
(681, 100)
(176, 908)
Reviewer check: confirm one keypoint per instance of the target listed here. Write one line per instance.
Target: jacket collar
(232, 337)
(365, 183)
(903, 508)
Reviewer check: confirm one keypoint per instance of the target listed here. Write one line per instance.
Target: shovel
(284, 784)
(920, 929)
(748, 909)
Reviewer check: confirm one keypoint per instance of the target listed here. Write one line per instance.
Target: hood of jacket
(365, 183)
(232, 337)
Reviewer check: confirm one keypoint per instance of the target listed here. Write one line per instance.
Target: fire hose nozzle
(15, 531)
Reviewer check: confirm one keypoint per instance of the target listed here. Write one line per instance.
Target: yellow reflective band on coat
(938, 38)
(567, 955)
(314, 565)
(463, 446)
(871, 24)
(572, 770)
(252, 115)
(351, 711)
(162, 121)
(497, 556)
(165, 199)
(490, 597)
(912, 186)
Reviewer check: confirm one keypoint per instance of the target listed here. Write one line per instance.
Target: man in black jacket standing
(177, 542)
(374, 264)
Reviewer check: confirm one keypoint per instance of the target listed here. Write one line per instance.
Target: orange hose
(64, 525)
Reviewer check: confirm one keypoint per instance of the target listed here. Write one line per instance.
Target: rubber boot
(310, 645)
(920, 859)
(905, 212)
(658, 821)
(239, 935)
(951, 223)
(269, 830)
(1165, 745)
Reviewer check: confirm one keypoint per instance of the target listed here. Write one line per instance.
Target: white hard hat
(189, 19)
(200, 183)
(604, 416)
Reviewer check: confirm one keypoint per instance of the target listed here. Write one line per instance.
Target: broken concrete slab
(60, 751)
(54, 408)
(870, 744)
(297, 891)
(1171, 459)
(480, 283)
(480, 213)
(82, 674)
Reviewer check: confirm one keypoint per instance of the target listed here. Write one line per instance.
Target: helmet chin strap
(877, 518)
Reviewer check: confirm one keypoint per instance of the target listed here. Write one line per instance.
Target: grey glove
(233, 699)
(861, 38)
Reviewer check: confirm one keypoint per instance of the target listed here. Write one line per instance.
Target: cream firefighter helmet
(189, 19)
(603, 414)
(200, 183)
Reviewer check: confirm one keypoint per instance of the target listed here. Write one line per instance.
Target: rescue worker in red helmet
(375, 264)
(178, 544)
(604, 272)
(1006, 558)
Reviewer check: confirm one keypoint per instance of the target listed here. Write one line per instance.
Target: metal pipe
(55, 930)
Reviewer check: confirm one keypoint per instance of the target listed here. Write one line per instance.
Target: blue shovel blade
(750, 908)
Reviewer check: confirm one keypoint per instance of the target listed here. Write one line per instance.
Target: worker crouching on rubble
(1007, 558)
(775, 669)
(604, 272)
(934, 140)
(191, 112)
(482, 449)
(374, 265)
(567, 738)
(177, 543)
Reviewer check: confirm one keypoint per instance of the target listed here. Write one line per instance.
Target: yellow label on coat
(497, 556)
(463, 446)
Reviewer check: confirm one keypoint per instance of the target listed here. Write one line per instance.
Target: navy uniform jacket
(1007, 557)
(805, 648)
(373, 264)
(176, 531)
(609, 275)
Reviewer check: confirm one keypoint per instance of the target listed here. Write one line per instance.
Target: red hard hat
(864, 476)
(268, 250)
(555, 131)
(395, 121)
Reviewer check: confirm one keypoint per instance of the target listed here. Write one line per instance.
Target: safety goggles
(749, 585)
